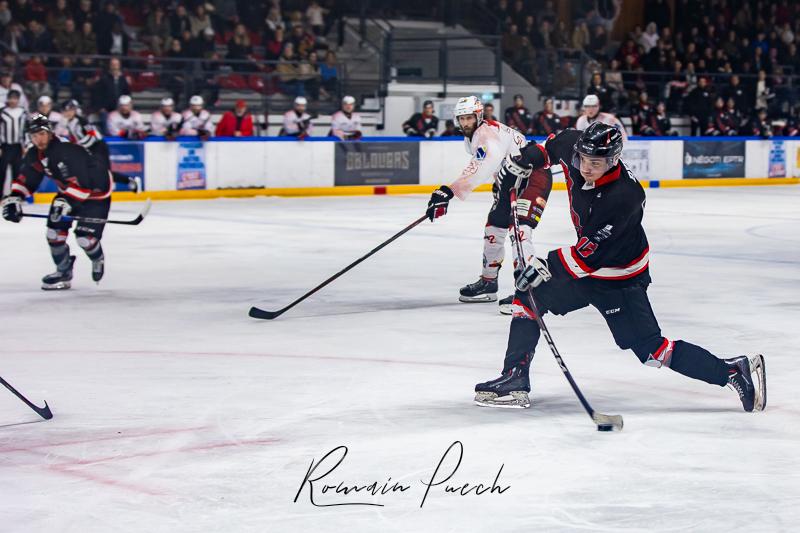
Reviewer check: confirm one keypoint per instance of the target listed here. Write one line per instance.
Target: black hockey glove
(437, 205)
(12, 208)
(533, 275)
(59, 209)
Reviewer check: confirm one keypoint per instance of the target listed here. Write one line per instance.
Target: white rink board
(175, 412)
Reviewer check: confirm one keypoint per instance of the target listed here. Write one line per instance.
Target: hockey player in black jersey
(84, 188)
(607, 268)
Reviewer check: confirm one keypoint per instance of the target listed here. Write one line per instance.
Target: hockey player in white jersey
(490, 143)
(592, 113)
(346, 123)
(196, 120)
(44, 106)
(125, 121)
(297, 121)
(166, 122)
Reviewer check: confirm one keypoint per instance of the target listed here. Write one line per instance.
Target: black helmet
(599, 140)
(39, 122)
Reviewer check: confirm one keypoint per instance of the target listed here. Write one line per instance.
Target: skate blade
(759, 375)
(514, 400)
(60, 286)
(505, 309)
(478, 299)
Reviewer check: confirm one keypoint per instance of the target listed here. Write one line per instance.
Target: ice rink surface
(176, 412)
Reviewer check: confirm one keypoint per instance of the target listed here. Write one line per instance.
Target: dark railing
(445, 59)
(258, 81)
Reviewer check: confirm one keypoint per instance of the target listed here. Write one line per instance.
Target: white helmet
(591, 99)
(469, 105)
(167, 102)
(196, 100)
(44, 100)
(300, 100)
(348, 100)
(125, 100)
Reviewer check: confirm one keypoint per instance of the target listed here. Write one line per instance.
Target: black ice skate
(483, 290)
(747, 376)
(509, 390)
(505, 305)
(61, 278)
(98, 268)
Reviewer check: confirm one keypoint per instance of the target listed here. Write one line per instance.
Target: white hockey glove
(518, 174)
(59, 209)
(533, 275)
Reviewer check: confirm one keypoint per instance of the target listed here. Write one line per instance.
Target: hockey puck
(605, 427)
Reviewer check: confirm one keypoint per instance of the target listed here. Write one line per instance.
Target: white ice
(176, 412)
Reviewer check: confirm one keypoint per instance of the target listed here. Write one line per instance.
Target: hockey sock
(494, 251)
(522, 339)
(59, 249)
(698, 363)
(91, 246)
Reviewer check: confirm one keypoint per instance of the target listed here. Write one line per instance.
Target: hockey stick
(255, 312)
(44, 412)
(604, 422)
(90, 220)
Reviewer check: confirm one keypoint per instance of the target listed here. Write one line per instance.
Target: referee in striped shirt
(12, 137)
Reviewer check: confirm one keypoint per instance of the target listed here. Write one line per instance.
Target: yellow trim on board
(369, 190)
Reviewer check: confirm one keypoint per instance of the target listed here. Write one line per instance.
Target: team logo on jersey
(480, 153)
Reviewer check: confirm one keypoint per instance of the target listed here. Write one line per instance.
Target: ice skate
(483, 290)
(509, 390)
(747, 376)
(505, 305)
(60, 279)
(98, 268)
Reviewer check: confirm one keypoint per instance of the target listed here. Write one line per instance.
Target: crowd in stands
(731, 66)
(267, 46)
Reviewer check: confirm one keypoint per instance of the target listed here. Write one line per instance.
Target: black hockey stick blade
(255, 312)
(44, 412)
(135, 222)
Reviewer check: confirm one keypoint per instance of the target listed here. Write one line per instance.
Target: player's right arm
(485, 162)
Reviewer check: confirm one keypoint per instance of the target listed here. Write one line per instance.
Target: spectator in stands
(598, 42)
(36, 77)
(104, 24)
(297, 121)
(346, 123)
(68, 40)
(179, 22)
(107, 90)
(236, 123)
(699, 105)
(157, 31)
(14, 38)
(85, 13)
(764, 93)
(660, 123)
(422, 124)
(199, 20)
(5, 14)
(488, 112)
(329, 76)
(274, 46)
(38, 39)
(649, 38)
(580, 36)
(303, 41)
(734, 116)
(57, 17)
(450, 129)
(511, 42)
(23, 11)
(124, 121)
(7, 84)
(760, 125)
(640, 115)
(288, 70)
(546, 121)
(115, 42)
(518, 116)
(87, 44)
(591, 114)
(241, 49)
(196, 120)
(601, 90)
(274, 23)
(166, 122)
(311, 75)
(315, 14)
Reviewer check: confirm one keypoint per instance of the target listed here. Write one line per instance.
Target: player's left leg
(88, 235)
(632, 322)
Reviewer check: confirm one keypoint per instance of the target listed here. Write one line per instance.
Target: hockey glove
(12, 208)
(533, 275)
(437, 205)
(513, 175)
(59, 209)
